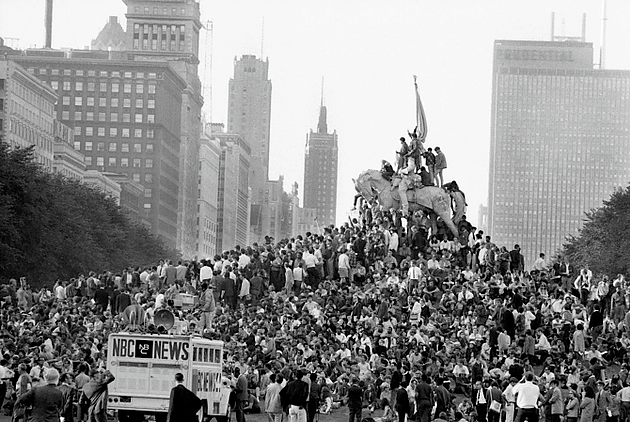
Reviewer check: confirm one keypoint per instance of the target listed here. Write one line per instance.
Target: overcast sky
(367, 50)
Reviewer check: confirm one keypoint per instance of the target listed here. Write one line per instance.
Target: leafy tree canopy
(603, 243)
(54, 227)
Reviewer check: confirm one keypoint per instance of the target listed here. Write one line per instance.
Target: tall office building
(208, 207)
(249, 115)
(320, 171)
(126, 120)
(559, 142)
(234, 194)
(159, 30)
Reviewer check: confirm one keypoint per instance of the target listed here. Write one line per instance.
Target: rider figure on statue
(408, 179)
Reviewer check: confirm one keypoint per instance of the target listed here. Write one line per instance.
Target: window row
(127, 88)
(88, 116)
(113, 147)
(93, 73)
(113, 132)
(124, 162)
(102, 102)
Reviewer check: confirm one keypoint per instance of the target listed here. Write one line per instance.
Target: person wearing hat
(46, 401)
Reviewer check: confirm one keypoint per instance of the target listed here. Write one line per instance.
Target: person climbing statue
(387, 170)
(408, 179)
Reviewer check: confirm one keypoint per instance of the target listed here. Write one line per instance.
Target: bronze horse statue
(432, 199)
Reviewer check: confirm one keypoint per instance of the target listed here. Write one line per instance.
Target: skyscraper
(320, 171)
(249, 115)
(169, 30)
(559, 142)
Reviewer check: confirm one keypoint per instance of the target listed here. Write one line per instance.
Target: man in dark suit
(184, 404)
(46, 400)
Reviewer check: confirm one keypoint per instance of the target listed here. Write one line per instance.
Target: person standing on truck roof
(96, 393)
(183, 404)
(242, 395)
(208, 307)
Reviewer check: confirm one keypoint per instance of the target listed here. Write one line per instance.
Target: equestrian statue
(436, 201)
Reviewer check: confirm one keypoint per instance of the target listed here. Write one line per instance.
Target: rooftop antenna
(602, 47)
(322, 91)
(583, 27)
(262, 39)
(553, 22)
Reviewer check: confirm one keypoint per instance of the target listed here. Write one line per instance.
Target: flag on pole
(421, 120)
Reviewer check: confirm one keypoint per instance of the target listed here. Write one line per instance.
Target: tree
(53, 227)
(603, 243)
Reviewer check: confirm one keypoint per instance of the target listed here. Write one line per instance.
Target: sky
(367, 52)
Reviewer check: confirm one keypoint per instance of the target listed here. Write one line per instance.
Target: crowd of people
(392, 324)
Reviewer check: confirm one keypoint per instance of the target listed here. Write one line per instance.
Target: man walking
(183, 404)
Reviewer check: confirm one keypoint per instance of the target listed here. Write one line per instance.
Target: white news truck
(145, 366)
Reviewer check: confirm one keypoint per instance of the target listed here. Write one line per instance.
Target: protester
(368, 304)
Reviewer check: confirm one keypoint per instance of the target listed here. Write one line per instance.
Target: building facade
(67, 160)
(27, 111)
(168, 30)
(559, 142)
(249, 115)
(126, 117)
(321, 160)
(233, 215)
(207, 226)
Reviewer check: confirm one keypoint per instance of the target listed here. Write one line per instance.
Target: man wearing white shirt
(510, 400)
(540, 264)
(393, 242)
(527, 394)
(205, 273)
(413, 274)
(243, 261)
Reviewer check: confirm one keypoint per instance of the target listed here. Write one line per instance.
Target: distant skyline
(367, 51)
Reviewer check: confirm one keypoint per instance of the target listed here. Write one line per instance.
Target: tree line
(55, 227)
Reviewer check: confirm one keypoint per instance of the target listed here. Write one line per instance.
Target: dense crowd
(389, 322)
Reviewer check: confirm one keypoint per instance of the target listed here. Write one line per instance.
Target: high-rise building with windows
(234, 203)
(320, 171)
(168, 30)
(209, 158)
(559, 142)
(249, 115)
(126, 117)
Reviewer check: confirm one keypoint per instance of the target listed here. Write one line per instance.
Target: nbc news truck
(145, 366)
